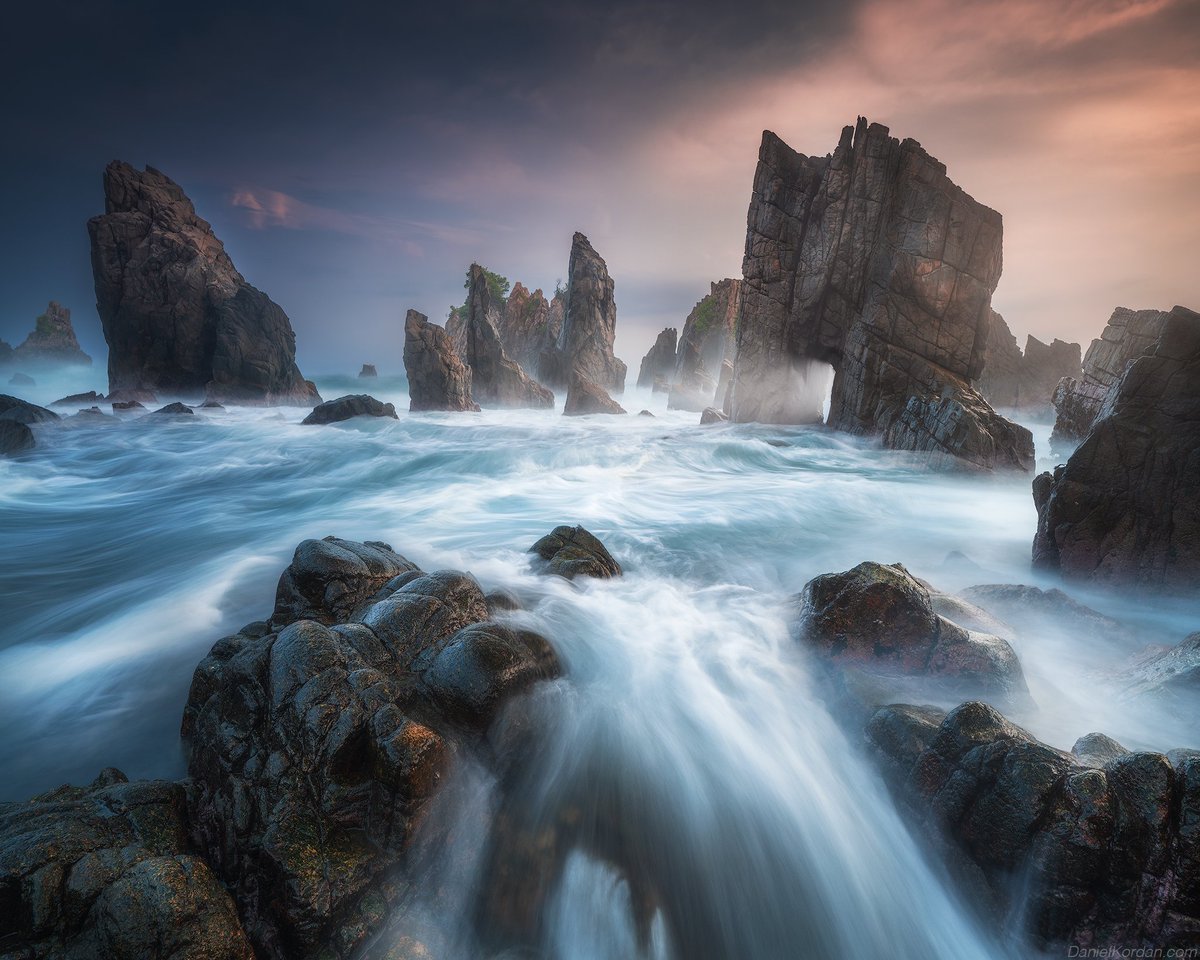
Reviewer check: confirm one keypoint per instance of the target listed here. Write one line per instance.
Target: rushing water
(687, 738)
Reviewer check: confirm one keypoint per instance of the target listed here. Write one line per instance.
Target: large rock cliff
(589, 324)
(177, 315)
(1126, 506)
(873, 261)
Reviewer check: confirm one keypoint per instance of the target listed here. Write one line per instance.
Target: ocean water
(687, 715)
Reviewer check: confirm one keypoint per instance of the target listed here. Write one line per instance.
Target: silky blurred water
(128, 547)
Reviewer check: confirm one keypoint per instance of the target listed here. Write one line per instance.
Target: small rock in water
(368, 370)
(127, 405)
(645, 413)
(212, 405)
(573, 552)
(585, 396)
(348, 407)
(712, 415)
(14, 408)
(174, 410)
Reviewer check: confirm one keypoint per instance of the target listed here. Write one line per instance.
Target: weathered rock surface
(348, 407)
(873, 261)
(15, 437)
(1126, 505)
(177, 316)
(876, 627)
(496, 379)
(709, 338)
(589, 324)
(1171, 677)
(316, 740)
(1030, 611)
(1106, 856)
(22, 411)
(659, 361)
(108, 871)
(75, 399)
(125, 407)
(530, 325)
(1026, 380)
(437, 378)
(584, 397)
(1128, 335)
(52, 342)
(572, 552)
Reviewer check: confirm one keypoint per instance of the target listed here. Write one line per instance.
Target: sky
(356, 158)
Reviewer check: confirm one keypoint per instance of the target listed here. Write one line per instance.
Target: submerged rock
(15, 437)
(1078, 399)
(899, 308)
(1085, 855)
(659, 361)
(1125, 508)
(496, 379)
(589, 324)
(437, 377)
(585, 397)
(108, 871)
(572, 552)
(876, 627)
(52, 342)
(317, 741)
(177, 316)
(348, 407)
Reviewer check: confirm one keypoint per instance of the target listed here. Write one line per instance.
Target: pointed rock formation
(52, 341)
(584, 397)
(497, 380)
(1077, 401)
(529, 325)
(1026, 380)
(177, 316)
(589, 325)
(659, 362)
(709, 338)
(1126, 506)
(873, 261)
(437, 378)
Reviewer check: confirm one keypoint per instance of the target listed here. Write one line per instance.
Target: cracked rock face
(589, 324)
(1125, 508)
(107, 870)
(317, 739)
(873, 261)
(1078, 399)
(177, 316)
(437, 377)
(497, 380)
(1107, 845)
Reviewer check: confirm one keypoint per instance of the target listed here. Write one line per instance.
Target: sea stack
(589, 325)
(659, 361)
(1126, 507)
(177, 316)
(437, 377)
(899, 307)
(52, 342)
(497, 380)
(709, 338)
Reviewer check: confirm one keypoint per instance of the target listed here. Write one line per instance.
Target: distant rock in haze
(659, 362)
(6, 352)
(1026, 380)
(52, 342)
(346, 408)
(709, 338)
(589, 325)
(437, 377)
(177, 316)
(1128, 335)
(368, 370)
(899, 306)
(1125, 508)
(496, 379)
(21, 380)
(584, 397)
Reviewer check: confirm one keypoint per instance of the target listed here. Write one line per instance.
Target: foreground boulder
(348, 407)
(876, 628)
(589, 326)
(177, 316)
(437, 377)
(1128, 335)
(585, 397)
(1086, 855)
(22, 411)
(899, 308)
(52, 342)
(496, 379)
(572, 552)
(1125, 508)
(316, 740)
(108, 871)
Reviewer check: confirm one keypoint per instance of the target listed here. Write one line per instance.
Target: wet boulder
(22, 411)
(127, 406)
(1106, 851)
(172, 410)
(108, 871)
(876, 630)
(585, 396)
(348, 407)
(15, 437)
(712, 415)
(572, 552)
